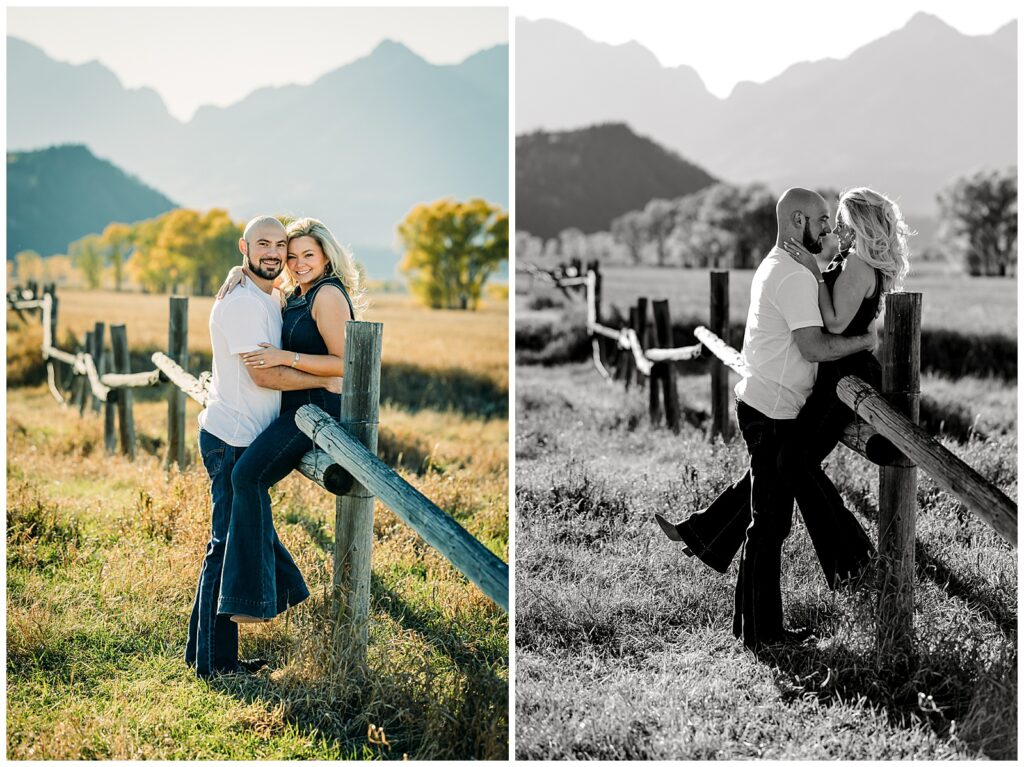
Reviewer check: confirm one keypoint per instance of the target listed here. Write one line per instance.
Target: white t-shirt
(783, 298)
(237, 410)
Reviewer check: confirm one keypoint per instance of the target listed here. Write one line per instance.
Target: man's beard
(260, 272)
(811, 243)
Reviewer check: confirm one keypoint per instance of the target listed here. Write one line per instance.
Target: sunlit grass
(624, 647)
(103, 556)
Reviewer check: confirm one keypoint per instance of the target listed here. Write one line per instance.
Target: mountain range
(57, 195)
(358, 148)
(586, 178)
(906, 113)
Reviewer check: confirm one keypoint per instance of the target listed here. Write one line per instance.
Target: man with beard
(782, 344)
(242, 401)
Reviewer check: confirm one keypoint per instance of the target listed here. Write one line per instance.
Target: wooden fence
(343, 461)
(891, 415)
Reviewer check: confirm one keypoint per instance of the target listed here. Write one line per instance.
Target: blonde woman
(869, 243)
(321, 290)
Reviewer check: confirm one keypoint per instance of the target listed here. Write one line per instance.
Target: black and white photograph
(765, 417)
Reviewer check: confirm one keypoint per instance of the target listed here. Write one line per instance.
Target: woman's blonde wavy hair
(339, 261)
(880, 234)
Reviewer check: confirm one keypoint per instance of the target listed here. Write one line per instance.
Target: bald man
(242, 402)
(783, 342)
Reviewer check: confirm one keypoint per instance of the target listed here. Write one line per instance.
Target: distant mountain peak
(392, 50)
(922, 21)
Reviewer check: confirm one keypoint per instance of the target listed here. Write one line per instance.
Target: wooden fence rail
(885, 431)
(349, 468)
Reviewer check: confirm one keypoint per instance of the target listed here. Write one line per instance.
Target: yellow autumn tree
(117, 243)
(451, 248)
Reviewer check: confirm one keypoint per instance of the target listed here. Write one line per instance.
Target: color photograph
(747, 233)
(257, 383)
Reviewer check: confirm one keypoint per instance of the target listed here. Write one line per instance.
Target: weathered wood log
(177, 351)
(607, 332)
(122, 364)
(67, 358)
(677, 354)
(320, 468)
(96, 388)
(131, 380)
(721, 350)
(181, 378)
(437, 528)
(949, 472)
(721, 423)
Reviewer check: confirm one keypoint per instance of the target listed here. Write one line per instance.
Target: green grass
(624, 645)
(102, 561)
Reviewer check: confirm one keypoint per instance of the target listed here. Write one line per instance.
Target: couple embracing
(805, 330)
(274, 350)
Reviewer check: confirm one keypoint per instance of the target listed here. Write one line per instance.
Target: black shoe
(246, 666)
(669, 529)
(694, 547)
(787, 637)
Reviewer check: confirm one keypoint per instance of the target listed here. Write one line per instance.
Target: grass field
(103, 556)
(968, 325)
(981, 305)
(624, 647)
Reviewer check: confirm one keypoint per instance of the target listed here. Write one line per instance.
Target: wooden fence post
(897, 485)
(639, 326)
(629, 365)
(83, 380)
(177, 350)
(719, 325)
(122, 364)
(667, 372)
(98, 334)
(595, 267)
(353, 536)
(110, 406)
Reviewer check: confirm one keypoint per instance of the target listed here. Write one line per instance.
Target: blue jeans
(260, 577)
(213, 639)
(843, 548)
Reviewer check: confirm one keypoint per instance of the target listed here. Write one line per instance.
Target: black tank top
(868, 307)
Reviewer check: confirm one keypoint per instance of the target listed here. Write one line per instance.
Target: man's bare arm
(818, 346)
(288, 379)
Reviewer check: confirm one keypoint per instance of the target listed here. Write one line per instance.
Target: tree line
(451, 249)
(733, 226)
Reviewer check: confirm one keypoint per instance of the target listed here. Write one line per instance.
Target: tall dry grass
(624, 647)
(103, 557)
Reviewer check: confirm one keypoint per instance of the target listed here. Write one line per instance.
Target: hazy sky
(196, 56)
(728, 41)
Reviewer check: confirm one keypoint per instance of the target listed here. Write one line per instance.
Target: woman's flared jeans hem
(270, 609)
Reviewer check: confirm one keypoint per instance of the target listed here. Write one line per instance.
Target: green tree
(117, 242)
(88, 256)
(451, 248)
(979, 221)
